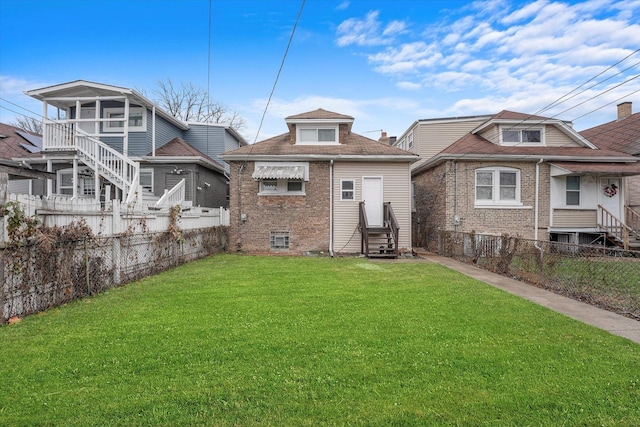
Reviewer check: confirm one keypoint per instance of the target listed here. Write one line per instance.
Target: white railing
(173, 197)
(117, 217)
(113, 165)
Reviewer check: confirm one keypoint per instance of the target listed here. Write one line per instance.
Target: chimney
(624, 110)
(384, 138)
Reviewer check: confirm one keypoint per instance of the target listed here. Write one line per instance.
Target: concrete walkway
(603, 319)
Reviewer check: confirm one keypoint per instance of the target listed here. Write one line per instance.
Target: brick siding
(306, 218)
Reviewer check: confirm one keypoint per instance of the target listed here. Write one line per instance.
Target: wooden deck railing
(613, 226)
(632, 219)
(390, 225)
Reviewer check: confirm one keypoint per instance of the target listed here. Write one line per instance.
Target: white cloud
(343, 6)
(366, 32)
(408, 86)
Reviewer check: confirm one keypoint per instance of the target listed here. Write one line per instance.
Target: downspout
(239, 217)
(456, 218)
(536, 208)
(331, 208)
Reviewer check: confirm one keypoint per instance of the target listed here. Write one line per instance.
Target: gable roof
(475, 147)
(622, 135)
(352, 146)
(84, 88)
(319, 114)
(177, 150)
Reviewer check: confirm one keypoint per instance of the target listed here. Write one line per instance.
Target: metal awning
(594, 168)
(278, 172)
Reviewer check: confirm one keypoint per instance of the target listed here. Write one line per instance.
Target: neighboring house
(622, 134)
(18, 143)
(528, 176)
(427, 137)
(130, 158)
(320, 187)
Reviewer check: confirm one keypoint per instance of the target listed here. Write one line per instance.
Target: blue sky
(386, 63)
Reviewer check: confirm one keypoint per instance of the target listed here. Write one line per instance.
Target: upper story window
(347, 189)
(410, 139)
(137, 119)
(317, 135)
(573, 191)
(521, 136)
(497, 186)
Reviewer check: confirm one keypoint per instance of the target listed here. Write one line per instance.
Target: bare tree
(189, 103)
(30, 124)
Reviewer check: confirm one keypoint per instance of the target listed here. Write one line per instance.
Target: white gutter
(331, 208)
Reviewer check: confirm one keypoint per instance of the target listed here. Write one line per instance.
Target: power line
(275, 83)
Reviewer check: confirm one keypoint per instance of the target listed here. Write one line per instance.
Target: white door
(87, 113)
(610, 189)
(372, 198)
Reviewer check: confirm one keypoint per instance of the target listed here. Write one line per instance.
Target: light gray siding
(396, 181)
(433, 137)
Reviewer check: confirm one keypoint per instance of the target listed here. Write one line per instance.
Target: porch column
(75, 179)
(96, 125)
(78, 111)
(125, 138)
(45, 131)
(49, 180)
(153, 131)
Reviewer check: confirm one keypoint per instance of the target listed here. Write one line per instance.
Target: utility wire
(275, 83)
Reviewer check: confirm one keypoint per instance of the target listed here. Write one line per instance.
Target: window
(573, 191)
(279, 239)
(318, 135)
(521, 136)
(497, 186)
(282, 187)
(410, 139)
(86, 183)
(146, 179)
(137, 119)
(347, 189)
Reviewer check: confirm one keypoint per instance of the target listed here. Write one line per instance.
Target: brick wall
(306, 218)
(446, 191)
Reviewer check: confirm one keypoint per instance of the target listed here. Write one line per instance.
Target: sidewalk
(603, 319)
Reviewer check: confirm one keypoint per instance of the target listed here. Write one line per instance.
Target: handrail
(632, 218)
(392, 221)
(363, 225)
(108, 162)
(175, 196)
(612, 225)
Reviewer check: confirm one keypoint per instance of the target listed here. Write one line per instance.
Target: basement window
(279, 240)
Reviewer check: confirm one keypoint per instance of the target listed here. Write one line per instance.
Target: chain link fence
(606, 277)
(49, 273)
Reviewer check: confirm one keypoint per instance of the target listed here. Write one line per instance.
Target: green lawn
(244, 340)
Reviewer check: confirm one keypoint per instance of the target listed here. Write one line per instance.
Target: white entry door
(610, 189)
(372, 198)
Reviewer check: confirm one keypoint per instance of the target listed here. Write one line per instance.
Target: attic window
(317, 135)
(522, 136)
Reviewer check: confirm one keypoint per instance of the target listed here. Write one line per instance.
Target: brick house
(530, 176)
(310, 189)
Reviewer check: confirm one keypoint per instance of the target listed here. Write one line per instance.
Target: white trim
(520, 129)
(305, 126)
(109, 122)
(495, 200)
(353, 190)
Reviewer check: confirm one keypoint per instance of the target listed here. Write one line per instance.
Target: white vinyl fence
(116, 217)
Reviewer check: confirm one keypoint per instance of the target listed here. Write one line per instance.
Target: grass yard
(246, 340)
